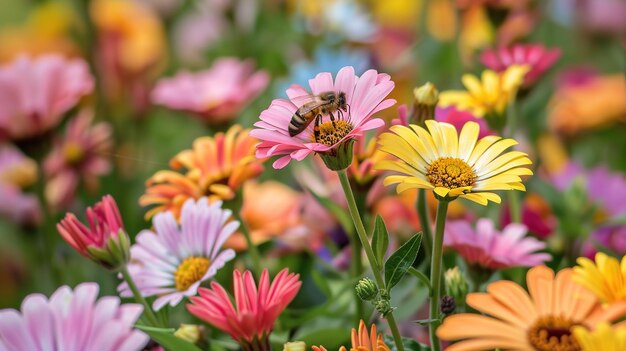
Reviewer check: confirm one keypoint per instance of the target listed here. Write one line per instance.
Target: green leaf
(399, 262)
(380, 239)
(166, 338)
(409, 344)
(321, 283)
(331, 338)
(337, 211)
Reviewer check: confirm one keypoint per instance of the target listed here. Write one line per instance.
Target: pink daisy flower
(538, 57)
(488, 248)
(364, 97)
(172, 261)
(36, 92)
(72, 320)
(252, 318)
(82, 155)
(217, 94)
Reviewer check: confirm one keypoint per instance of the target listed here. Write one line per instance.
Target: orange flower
(215, 167)
(539, 320)
(269, 209)
(363, 341)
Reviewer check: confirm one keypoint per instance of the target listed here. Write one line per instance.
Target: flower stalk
(150, 316)
(376, 268)
(435, 273)
(422, 212)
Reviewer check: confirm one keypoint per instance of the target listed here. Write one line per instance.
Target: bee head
(342, 101)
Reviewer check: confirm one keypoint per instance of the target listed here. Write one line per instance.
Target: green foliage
(165, 337)
(401, 260)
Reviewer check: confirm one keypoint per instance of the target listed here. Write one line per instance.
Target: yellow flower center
(331, 132)
(73, 153)
(552, 333)
(450, 173)
(190, 271)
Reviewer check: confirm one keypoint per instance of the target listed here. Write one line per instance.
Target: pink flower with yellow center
(538, 58)
(251, 319)
(488, 248)
(81, 155)
(364, 96)
(216, 167)
(35, 93)
(72, 320)
(215, 95)
(104, 240)
(173, 260)
(16, 173)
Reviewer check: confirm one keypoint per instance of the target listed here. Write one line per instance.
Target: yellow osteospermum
(606, 278)
(452, 166)
(603, 338)
(489, 95)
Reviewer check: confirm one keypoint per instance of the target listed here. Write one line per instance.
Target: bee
(325, 103)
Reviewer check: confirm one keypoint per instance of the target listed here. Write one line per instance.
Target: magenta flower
(252, 318)
(215, 95)
(104, 241)
(488, 248)
(36, 92)
(365, 96)
(536, 56)
(82, 154)
(174, 260)
(72, 320)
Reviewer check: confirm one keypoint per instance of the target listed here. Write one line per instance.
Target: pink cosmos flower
(538, 57)
(215, 95)
(72, 320)
(365, 96)
(174, 260)
(104, 241)
(82, 154)
(488, 248)
(36, 92)
(16, 173)
(252, 318)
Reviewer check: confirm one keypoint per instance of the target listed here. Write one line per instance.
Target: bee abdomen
(296, 124)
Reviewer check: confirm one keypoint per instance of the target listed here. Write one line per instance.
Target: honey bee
(325, 103)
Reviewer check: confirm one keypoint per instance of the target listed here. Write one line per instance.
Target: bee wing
(302, 100)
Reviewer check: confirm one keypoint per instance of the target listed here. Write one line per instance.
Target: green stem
(253, 250)
(515, 207)
(376, 269)
(152, 319)
(435, 273)
(422, 211)
(356, 269)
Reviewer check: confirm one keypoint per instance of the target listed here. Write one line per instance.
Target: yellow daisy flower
(489, 95)
(603, 338)
(452, 166)
(606, 278)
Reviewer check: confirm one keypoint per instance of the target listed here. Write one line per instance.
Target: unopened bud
(456, 285)
(366, 289)
(295, 346)
(447, 305)
(189, 332)
(426, 99)
(383, 303)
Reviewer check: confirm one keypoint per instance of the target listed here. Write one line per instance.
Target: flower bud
(366, 289)
(295, 346)
(426, 98)
(447, 305)
(383, 303)
(340, 157)
(456, 285)
(189, 332)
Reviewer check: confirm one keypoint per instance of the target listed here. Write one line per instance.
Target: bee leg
(332, 119)
(316, 128)
(349, 114)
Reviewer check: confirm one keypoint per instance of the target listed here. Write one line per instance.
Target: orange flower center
(190, 271)
(450, 173)
(331, 132)
(73, 153)
(553, 333)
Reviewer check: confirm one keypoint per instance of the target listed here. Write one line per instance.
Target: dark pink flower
(365, 95)
(36, 92)
(536, 56)
(217, 94)
(82, 154)
(104, 240)
(251, 319)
